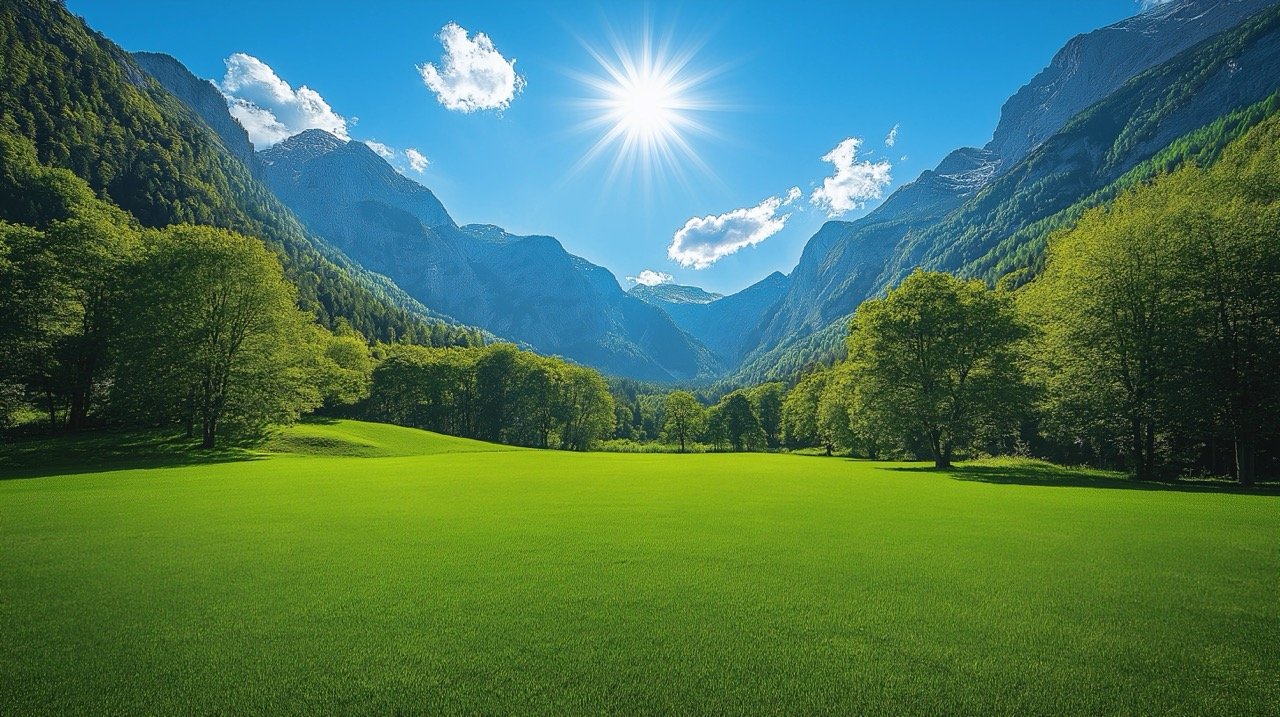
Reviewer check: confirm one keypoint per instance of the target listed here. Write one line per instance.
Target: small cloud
(381, 149)
(473, 75)
(649, 277)
(903, 158)
(854, 181)
(416, 160)
(269, 108)
(892, 138)
(703, 241)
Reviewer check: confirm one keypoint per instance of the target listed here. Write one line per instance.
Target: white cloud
(649, 277)
(475, 76)
(892, 138)
(853, 183)
(416, 160)
(703, 241)
(381, 149)
(269, 108)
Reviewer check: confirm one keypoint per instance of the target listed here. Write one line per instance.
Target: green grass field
(372, 569)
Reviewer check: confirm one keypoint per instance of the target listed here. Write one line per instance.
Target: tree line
(495, 393)
(1151, 341)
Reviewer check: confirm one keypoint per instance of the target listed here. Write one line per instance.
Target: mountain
(724, 324)
(204, 99)
(524, 288)
(1095, 64)
(1110, 101)
(672, 294)
(85, 105)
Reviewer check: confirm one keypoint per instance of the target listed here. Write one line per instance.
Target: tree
(346, 371)
(767, 401)
(496, 397)
(935, 359)
(587, 409)
(800, 426)
(214, 334)
(686, 418)
(1160, 316)
(734, 421)
(1113, 322)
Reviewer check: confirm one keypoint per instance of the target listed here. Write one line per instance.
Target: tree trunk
(1244, 460)
(191, 413)
(1139, 461)
(682, 443)
(942, 459)
(53, 410)
(941, 454)
(209, 433)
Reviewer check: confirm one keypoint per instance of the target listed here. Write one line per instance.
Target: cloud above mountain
(381, 149)
(269, 108)
(649, 277)
(703, 241)
(854, 181)
(417, 161)
(472, 75)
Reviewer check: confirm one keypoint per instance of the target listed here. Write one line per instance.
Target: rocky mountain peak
(1093, 65)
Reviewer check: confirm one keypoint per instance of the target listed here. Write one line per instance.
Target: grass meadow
(362, 568)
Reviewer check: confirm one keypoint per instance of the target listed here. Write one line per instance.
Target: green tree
(1113, 322)
(767, 401)
(233, 353)
(587, 409)
(346, 371)
(800, 428)
(686, 418)
(935, 359)
(733, 420)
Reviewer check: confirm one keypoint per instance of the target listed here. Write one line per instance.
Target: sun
(645, 106)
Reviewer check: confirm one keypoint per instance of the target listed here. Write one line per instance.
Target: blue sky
(782, 85)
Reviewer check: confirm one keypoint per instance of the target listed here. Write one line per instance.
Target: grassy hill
(362, 568)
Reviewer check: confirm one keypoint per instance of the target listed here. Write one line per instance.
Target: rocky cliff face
(672, 294)
(204, 99)
(1095, 64)
(524, 288)
(337, 185)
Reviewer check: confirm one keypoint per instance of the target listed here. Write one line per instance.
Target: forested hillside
(978, 217)
(87, 107)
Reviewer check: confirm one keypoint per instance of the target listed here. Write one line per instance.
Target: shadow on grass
(101, 451)
(1037, 473)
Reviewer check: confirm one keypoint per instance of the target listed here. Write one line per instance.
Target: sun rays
(647, 103)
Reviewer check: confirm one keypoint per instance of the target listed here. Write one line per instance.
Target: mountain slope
(1095, 64)
(527, 289)
(204, 100)
(724, 324)
(86, 106)
(951, 218)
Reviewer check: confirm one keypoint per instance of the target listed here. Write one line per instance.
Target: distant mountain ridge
(660, 294)
(524, 288)
(725, 324)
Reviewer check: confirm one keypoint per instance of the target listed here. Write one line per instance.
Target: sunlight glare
(646, 99)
